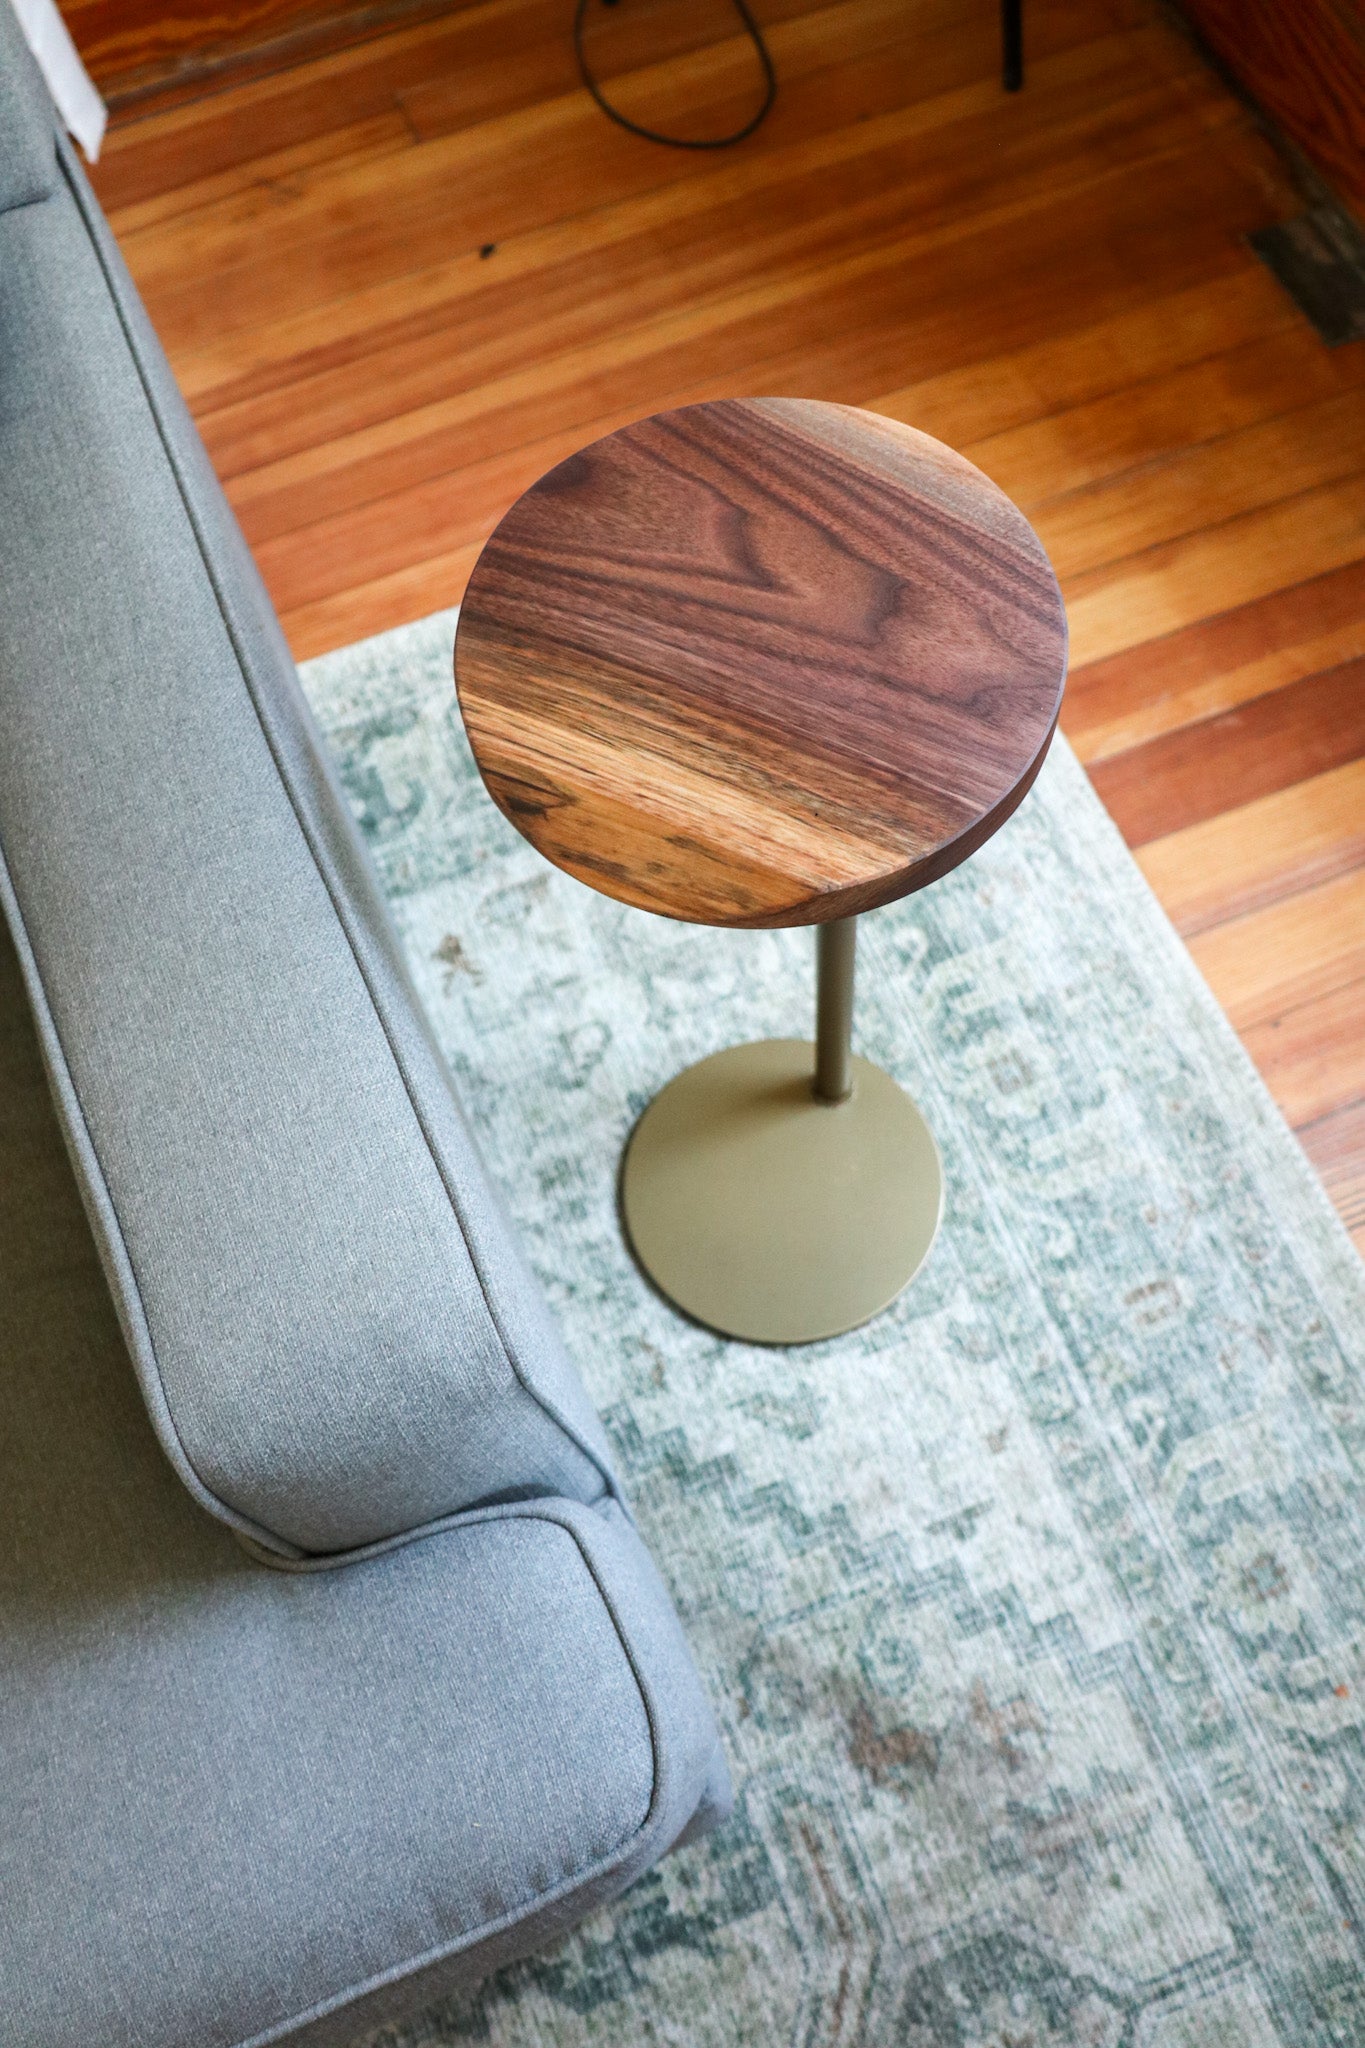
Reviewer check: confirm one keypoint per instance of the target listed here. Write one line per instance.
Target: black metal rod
(1012, 43)
(835, 946)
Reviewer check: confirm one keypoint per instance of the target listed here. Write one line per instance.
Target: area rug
(1034, 1613)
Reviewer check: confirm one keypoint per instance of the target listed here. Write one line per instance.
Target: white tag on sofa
(70, 84)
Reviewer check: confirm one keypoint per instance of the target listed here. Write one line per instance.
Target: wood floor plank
(344, 231)
(543, 267)
(156, 154)
(412, 592)
(1336, 1146)
(992, 394)
(276, 170)
(618, 43)
(669, 244)
(892, 195)
(454, 511)
(1208, 572)
(1219, 691)
(1306, 65)
(1272, 961)
(566, 125)
(1285, 737)
(913, 304)
(1313, 1056)
(1203, 486)
(1199, 670)
(1136, 426)
(1261, 852)
(149, 34)
(154, 50)
(900, 291)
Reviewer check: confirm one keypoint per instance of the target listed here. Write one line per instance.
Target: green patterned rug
(1034, 1612)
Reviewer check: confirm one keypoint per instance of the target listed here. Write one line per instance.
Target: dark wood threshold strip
(175, 58)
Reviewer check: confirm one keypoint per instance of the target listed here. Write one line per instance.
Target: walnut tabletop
(761, 662)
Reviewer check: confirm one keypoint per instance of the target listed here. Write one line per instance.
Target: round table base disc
(769, 1215)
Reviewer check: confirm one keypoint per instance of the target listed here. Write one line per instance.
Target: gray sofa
(332, 1669)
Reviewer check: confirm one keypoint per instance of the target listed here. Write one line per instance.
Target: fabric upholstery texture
(28, 162)
(238, 1798)
(335, 1332)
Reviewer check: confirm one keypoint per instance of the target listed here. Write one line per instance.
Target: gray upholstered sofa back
(336, 1335)
(28, 164)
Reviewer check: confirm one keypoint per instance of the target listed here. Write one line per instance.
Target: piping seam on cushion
(305, 1562)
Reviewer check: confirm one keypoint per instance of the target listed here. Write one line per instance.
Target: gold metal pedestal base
(771, 1215)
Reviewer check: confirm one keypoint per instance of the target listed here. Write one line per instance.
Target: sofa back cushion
(336, 1335)
(28, 163)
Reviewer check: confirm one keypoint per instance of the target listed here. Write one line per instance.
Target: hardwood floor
(399, 280)
(1305, 64)
(144, 53)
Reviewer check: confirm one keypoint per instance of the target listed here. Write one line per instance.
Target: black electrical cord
(679, 141)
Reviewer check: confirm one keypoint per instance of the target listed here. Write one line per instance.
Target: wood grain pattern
(1287, 736)
(1264, 851)
(1336, 1146)
(1215, 567)
(1313, 1054)
(760, 662)
(1304, 62)
(140, 50)
(1265, 964)
(365, 222)
(1047, 378)
(906, 293)
(1158, 422)
(1299, 450)
(1056, 282)
(1164, 684)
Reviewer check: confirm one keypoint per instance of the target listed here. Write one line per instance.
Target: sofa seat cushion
(254, 1804)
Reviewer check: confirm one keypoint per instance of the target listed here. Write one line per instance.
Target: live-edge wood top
(761, 661)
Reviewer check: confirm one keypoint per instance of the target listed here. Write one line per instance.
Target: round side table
(766, 662)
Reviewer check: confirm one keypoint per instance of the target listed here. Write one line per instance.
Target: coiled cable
(679, 141)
